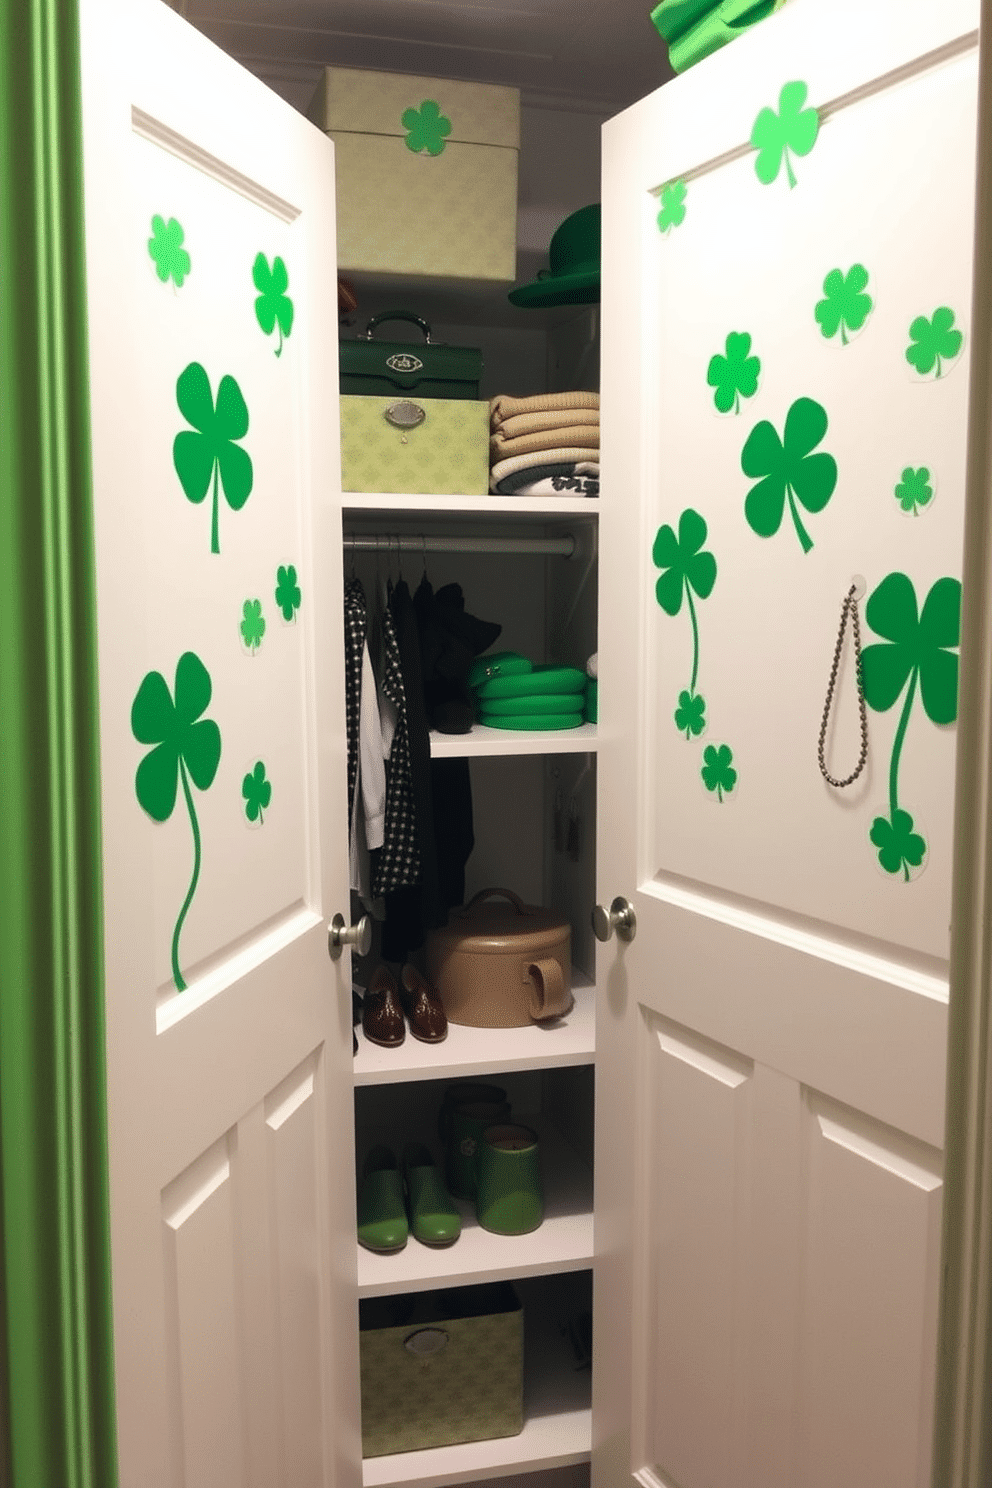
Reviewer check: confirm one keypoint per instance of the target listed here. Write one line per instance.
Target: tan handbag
(502, 965)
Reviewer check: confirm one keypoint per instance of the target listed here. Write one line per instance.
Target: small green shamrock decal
(899, 847)
(717, 770)
(914, 490)
(791, 471)
(187, 747)
(845, 307)
(672, 205)
(211, 452)
(917, 652)
(257, 793)
(428, 128)
(774, 134)
(288, 596)
(735, 374)
(933, 340)
(273, 305)
(165, 247)
(690, 715)
(252, 626)
(686, 568)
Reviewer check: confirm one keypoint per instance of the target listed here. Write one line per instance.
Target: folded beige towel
(503, 406)
(552, 418)
(564, 456)
(584, 436)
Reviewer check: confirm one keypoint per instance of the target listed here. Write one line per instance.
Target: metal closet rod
(384, 544)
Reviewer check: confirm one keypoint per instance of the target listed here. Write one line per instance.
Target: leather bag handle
(515, 900)
(549, 997)
(377, 320)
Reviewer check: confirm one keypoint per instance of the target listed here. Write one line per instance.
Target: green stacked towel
(512, 693)
(695, 28)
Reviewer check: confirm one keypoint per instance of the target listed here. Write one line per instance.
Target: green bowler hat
(572, 277)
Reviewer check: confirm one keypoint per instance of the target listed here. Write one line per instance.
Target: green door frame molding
(57, 1342)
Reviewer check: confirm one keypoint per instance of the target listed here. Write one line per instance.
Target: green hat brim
(562, 289)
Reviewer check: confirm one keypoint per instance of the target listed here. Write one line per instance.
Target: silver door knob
(620, 917)
(340, 934)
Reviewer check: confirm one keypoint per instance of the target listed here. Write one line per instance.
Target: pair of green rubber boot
(392, 1202)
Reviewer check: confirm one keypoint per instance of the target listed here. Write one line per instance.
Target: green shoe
(382, 1223)
(434, 1219)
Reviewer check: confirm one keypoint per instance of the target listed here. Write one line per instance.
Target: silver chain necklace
(849, 607)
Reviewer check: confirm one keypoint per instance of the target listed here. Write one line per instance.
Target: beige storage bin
(405, 211)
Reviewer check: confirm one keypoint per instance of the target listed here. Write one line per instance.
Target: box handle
(549, 996)
(377, 320)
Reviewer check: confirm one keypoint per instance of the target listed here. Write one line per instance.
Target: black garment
(397, 862)
(354, 642)
(450, 640)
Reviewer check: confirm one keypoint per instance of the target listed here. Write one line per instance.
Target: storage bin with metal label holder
(430, 446)
(426, 172)
(427, 369)
(441, 1367)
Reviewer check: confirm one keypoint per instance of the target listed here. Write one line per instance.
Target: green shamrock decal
(791, 471)
(685, 568)
(210, 451)
(917, 653)
(257, 793)
(690, 715)
(914, 490)
(794, 128)
(718, 771)
(288, 596)
(735, 374)
(427, 128)
(672, 205)
(167, 252)
(933, 340)
(252, 626)
(187, 747)
(845, 306)
(273, 306)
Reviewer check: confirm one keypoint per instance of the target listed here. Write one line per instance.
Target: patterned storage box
(426, 173)
(441, 1367)
(434, 446)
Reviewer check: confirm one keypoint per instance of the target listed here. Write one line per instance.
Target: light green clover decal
(187, 747)
(914, 490)
(718, 770)
(273, 306)
(672, 212)
(165, 247)
(288, 596)
(427, 128)
(252, 626)
(257, 793)
(845, 307)
(210, 452)
(735, 374)
(774, 134)
(933, 341)
(915, 653)
(791, 472)
(685, 568)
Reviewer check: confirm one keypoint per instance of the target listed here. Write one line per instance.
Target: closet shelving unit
(555, 1064)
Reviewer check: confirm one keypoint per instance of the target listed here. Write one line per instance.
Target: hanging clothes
(397, 863)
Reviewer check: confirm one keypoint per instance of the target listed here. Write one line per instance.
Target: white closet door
(210, 253)
(787, 277)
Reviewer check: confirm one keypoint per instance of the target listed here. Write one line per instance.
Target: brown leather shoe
(424, 1008)
(382, 1014)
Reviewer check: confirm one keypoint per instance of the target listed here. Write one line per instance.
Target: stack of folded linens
(545, 445)
(512, 693)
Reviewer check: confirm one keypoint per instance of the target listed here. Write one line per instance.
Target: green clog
(434, 1219)
(382, 1222)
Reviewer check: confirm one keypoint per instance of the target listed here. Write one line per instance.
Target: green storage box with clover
(426, 173)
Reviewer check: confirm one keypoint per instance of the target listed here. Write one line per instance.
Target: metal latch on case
(405, 415)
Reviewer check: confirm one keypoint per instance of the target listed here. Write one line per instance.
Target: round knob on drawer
(620, 917)
(340, 934)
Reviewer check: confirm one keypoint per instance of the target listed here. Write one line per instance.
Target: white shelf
(557, 1426)
(486, 1051)
(563, 1242)
(504, 506)
(482, 740)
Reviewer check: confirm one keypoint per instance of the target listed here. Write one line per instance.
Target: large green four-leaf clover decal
(427, 128)
(917, 653)
(734, 375)
(208, 451)
(186, 748)
(273, 306)
(165, 248)
(845, 305)
(793, 128)
(685, 568)
(933, 342)
(790, 469)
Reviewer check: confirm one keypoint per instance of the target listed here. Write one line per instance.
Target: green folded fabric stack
(695, 28)
(512, 693)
